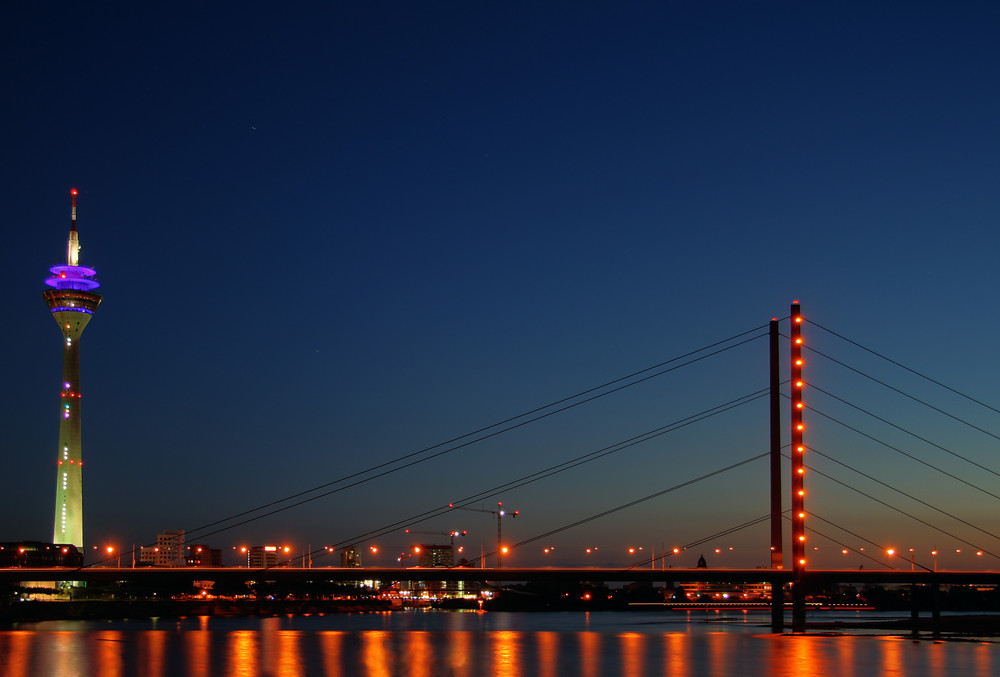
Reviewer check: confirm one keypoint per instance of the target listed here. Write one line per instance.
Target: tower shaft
(72, 302)
(72, 310)
(68, 524)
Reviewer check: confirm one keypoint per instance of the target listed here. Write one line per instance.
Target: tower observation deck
(72, 301)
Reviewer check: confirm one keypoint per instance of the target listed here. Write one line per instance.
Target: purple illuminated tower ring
(72, 301)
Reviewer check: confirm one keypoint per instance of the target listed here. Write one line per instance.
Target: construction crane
(452, 534)
(500, 513)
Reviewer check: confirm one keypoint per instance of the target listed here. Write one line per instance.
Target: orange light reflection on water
(109, 652)
(289, 655)
(633, 658)
(506, 656)
(892, 655)
(198, 648)
(420, 656)
(460, 653)
(331, 642)
(721, 655)
(983, 657)
(548, 654)
(676, 650)
(243, 653)
(15, 649)
(66, 653)
(377, 654)
(590, 653)
(800, 652)
(152, 649)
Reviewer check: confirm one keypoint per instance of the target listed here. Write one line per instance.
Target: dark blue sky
(330, 236)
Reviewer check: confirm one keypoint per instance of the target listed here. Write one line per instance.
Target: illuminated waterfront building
(436, 556)
(35, 554)
(350, 556)
(261, 556)
(202, 555)
(72, 301)
(169, 550)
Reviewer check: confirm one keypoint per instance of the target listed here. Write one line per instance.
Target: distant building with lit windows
(201, 555)
(34, 554)
(436, 556)
(350, 556)
(261, 556)
(169, 550)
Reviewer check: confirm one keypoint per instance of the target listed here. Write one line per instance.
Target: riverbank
(31, 610)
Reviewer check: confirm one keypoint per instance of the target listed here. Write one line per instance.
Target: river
(460, 644)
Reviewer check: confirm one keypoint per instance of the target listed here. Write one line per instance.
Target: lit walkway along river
(445, 644)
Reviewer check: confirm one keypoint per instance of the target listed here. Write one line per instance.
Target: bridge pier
(936, 610)
(798, 605)
(777, 606)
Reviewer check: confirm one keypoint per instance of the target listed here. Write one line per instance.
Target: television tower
(72, 302)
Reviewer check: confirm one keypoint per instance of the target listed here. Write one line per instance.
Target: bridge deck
(162, 574)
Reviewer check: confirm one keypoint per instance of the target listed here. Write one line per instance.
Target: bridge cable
(637, 501)
(594, 389)
(844, 545)
(900, 451)
(903, 366)
(524, 480)
(492, 426)
(541, 474)
(899, 510)
(919, 401)
(909, 496)
(701, 541)
(904, 430)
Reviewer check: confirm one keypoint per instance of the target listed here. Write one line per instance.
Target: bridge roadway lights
(779, 577)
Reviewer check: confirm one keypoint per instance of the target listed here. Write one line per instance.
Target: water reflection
(506, 657)
(288, 660)
(330, 647)
(242, 653)
(198, 649)
(633, 663)
(438, 645)
(419, 660)
(65, 655)
(803, 654)
(547, 656)
(377, 654)
(983, 660)
(109, 652)
(589, 653)
(15, 653)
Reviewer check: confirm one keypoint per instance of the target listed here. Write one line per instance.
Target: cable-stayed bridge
(805, 472)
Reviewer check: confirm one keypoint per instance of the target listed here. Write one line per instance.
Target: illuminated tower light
(798, 428)
(72, 301)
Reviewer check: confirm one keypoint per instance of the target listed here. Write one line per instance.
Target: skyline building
(72, 302)
(169, 550)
